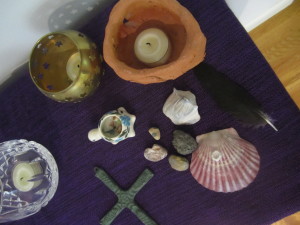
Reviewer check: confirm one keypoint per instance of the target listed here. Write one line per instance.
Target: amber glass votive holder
(66, 66)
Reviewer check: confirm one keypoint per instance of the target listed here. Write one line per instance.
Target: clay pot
(130, 17)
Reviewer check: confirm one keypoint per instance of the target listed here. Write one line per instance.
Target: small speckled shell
(224, 162)
(178, 163)
(181, 107)
(155, 133)
(156, 153)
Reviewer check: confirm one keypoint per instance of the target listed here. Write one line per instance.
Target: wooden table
(279, 41)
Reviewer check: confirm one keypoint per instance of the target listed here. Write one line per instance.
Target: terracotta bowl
(130, 17)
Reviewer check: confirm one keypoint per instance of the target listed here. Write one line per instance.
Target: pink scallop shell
(224, 162)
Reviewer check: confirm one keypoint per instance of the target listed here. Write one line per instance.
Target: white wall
(251, 13)
(23, 22)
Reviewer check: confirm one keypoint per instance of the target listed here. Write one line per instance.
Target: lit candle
(23, 172)
(73, 66)
(152, 47)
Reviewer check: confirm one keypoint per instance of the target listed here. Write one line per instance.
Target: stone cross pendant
(125, 198)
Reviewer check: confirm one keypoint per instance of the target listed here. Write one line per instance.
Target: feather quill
(231, 97)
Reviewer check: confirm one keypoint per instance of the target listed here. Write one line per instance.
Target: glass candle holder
(28, 179)
(65, 66)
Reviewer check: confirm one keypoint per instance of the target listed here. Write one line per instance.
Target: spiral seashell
(181, 107)
(224, 162)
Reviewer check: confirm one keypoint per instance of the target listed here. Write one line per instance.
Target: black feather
(231, 97)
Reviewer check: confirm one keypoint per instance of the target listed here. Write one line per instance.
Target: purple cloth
(170, 198)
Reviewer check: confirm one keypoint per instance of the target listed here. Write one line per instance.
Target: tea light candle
(23, 172)
(152, 47)
(73, 66)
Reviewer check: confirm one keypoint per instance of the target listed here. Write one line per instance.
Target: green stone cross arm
(107, 180)
(142, 215)
(125, 198)
(112, 214)
(141, 181)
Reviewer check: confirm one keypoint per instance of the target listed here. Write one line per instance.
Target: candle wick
(148, 43)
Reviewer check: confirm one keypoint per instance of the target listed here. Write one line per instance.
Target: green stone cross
(125, 198)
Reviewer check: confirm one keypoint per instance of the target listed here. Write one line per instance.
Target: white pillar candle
(152, 47)
(73, 66)
(23, 172)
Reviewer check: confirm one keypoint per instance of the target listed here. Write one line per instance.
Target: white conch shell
(181, 107)
(224, 162)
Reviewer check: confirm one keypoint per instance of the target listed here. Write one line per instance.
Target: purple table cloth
(170, 198)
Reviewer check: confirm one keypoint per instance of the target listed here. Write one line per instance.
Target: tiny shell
(155, 133)
(178, 163)
(181, 107)
(224, 162)
(156, 153)
(183, 143)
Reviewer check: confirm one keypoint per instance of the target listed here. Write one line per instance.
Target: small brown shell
(156, 153)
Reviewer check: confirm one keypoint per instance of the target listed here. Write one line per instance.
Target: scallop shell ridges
(224, 162)
(181, 107)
